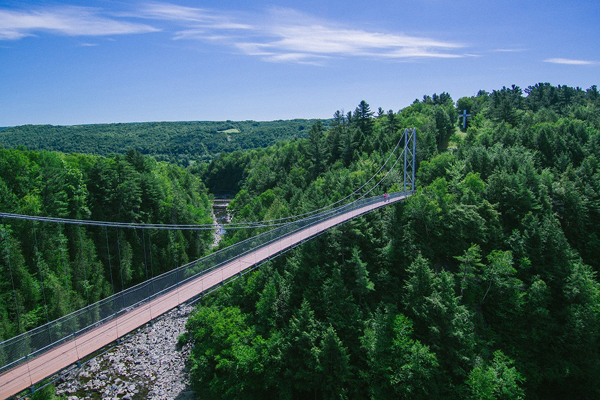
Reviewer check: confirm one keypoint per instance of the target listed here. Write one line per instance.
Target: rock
(147, 362)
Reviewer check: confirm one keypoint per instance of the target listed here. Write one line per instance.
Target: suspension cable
(345, 198)
(230, 226)
(120, 265)
(112, 283)
(12, 279)
(150, 253)
(62, 243)
(86, 283)
(326, 213)
(37, 258)
(339, 201)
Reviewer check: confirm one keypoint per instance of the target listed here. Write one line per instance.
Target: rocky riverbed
(148, 364)
(220, 218)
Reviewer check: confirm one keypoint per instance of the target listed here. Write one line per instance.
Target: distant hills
(182, 143)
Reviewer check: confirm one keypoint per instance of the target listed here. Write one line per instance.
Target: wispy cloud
(284, 35)
(509, 50)
(206, 18)
(70, 21)
(320, 39)
(277, 35)
(568, 61)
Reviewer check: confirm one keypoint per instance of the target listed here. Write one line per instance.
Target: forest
(482, 285)
(49, 270)
(181, 143)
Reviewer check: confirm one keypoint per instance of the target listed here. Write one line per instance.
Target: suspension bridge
(33, 356)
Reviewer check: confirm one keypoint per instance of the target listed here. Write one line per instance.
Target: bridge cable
(144, 247)
(7, 238)
(112, 283)
(346, 205)
(146, 266)
(62, 243)
(86, 283)
(37, 258)
(240, 225)
(345, 198)
(12, 279)
(381, 180)
(150, 258)
(403, 136)
(256, 225)
(361, 196)
(120, 270)
(150, 251)
(265, 223)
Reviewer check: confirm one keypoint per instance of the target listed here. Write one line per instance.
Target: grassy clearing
(232, 130)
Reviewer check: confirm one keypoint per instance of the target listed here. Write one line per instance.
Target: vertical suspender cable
(414, 160)
(12, 280)
(62, 251)
(37, 259)
(150, 252)
(6, 239)
(144, 247)
(150, 247)
(87, 290)
(145, 257)
(176, 249)
(146, 265)
(405, 156)
(112, 283)
(120, 270)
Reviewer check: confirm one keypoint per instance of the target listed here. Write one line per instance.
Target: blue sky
(107, 61)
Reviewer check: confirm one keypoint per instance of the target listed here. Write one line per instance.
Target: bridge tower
(410, 155)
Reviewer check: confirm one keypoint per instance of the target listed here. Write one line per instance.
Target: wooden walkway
(34, 370)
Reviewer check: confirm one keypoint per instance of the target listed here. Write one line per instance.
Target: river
(220, 218)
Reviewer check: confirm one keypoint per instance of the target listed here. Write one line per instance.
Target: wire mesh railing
(27, 345)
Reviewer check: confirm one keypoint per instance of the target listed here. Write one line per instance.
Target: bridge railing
(27, 345)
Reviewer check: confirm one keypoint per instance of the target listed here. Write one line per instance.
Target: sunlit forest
(181, 143)
(49, 270)
(482, 285)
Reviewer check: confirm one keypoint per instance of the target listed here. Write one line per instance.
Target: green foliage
(399, 366)
(182, 143)
(495, 255)
(50, 270)
(228, 355)
(316, 149)
(498, 380)
(45, 393)
(482, 285)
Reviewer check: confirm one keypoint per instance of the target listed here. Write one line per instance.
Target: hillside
(181, 143)
(50, 270)
(483, 285)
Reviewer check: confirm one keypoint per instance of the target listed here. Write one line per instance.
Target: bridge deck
(46, 364)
